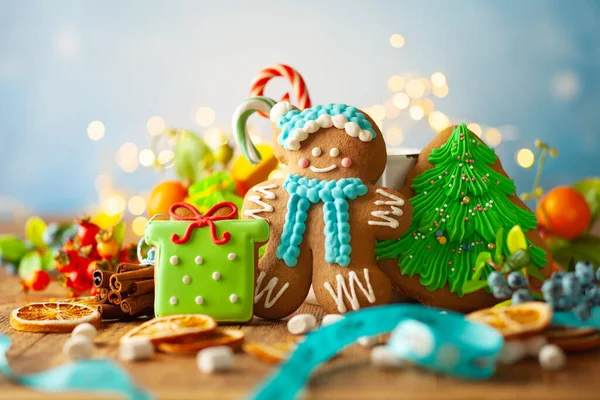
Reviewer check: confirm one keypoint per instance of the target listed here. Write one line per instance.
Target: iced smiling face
(330, 153)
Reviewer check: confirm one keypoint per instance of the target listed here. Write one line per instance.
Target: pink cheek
(346, 162)
(303, 162)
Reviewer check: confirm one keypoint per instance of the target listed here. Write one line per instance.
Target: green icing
(447, 234)
(236, 276)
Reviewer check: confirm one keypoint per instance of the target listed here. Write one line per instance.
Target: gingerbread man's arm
(260, 201)
(390, 213)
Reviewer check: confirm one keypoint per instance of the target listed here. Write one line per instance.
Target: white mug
(399, 163)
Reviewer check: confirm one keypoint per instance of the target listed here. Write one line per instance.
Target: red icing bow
(203, 220)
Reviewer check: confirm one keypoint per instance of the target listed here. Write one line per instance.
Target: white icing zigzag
(257, 200)
(342, 290)
(268, 289)
(394, 203)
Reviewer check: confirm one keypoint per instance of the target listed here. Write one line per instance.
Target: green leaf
(32, 261)
(584, 248)
(534, 271)
(192, 157)
(48, 263)
(590, 188)
(12, 248)
(498, 258)
(518, 259)
(480, 262)
(473, 286)
(119, 232)
(34, 232)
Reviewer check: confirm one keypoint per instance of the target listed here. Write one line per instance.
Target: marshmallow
(512, 352)
(552, 357)
(301, 324)
(136, 349)
(368, 341)
(215, 359)
(86, 329)
(331, 318)
(534, 344)
(78, 347)
(382, 357)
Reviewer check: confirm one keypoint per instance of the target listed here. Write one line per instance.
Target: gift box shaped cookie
(204, 264)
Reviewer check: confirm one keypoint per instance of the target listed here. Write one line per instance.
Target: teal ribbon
(335, 195)
(456, 346)
(96, 375)
(568, 318)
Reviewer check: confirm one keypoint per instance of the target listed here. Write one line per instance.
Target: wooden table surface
(348, 376)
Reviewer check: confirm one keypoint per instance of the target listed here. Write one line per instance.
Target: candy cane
(240, 116)
(285, 71)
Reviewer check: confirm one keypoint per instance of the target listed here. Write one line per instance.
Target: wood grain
(349, 376)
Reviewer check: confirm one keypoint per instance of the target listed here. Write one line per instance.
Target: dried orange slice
(193, 344)
(518, 320)
(274, 353)
(53, 317)
(173, 327)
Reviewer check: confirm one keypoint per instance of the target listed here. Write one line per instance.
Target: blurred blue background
(524, 69)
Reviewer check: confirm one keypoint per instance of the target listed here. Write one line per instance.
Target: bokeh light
(397, 40)
(525, 158)
(155, 125)
(394, 136)
(438, 121)
(401, 100)
(391, 111)
(475, 128)
(493, 137)
(102, 182)
(127, 157)
(113, 205)
(205, 116)
(165, 156)
(213, 137)
(414, 88)
(139, 225)
(95, 130)
(438, 79)
(566, 85)
(440, 91)
(396, 83)
(147, 157)
(377, 112)
(416, 113)
(136, 205)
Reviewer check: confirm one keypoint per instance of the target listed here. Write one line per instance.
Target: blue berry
(521, 296)
(584, 271)
(516, 280)
(552, 290)
(558, 275)
(582, 311)
(571, 286)
(150, 254)
(501, 292)
(598, 274)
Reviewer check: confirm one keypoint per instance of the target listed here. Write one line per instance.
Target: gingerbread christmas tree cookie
(461, 199)
(205, 263)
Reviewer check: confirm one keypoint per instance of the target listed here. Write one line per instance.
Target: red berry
(38, 280)
(79, 282)
(94, 291)
(87, 231)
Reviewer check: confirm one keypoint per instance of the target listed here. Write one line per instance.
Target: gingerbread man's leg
(344, 289)
(280, 289)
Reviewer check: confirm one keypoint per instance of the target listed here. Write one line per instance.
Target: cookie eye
(316, 151)
(334, 152)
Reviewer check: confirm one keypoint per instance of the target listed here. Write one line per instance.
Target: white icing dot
(216, 276)
(199, 300)
(186, 279)
(173, 300)
(233, 298)
(316, 151)
(199, 260)
(231, 256)
(460, 165)
(471, 167)
(174, 260)
(334, 152)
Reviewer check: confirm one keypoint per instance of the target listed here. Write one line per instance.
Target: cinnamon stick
(110, 311)
(115, 297)
(134, 305)
(102, 296)
(101, 278)
(141, 287)
(126, 267)
(118, 280)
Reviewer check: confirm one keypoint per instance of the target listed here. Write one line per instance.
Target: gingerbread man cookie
(327, 214)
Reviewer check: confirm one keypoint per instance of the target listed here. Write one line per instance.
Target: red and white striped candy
(284, 71)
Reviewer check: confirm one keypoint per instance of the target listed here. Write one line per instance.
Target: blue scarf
(334, 195)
